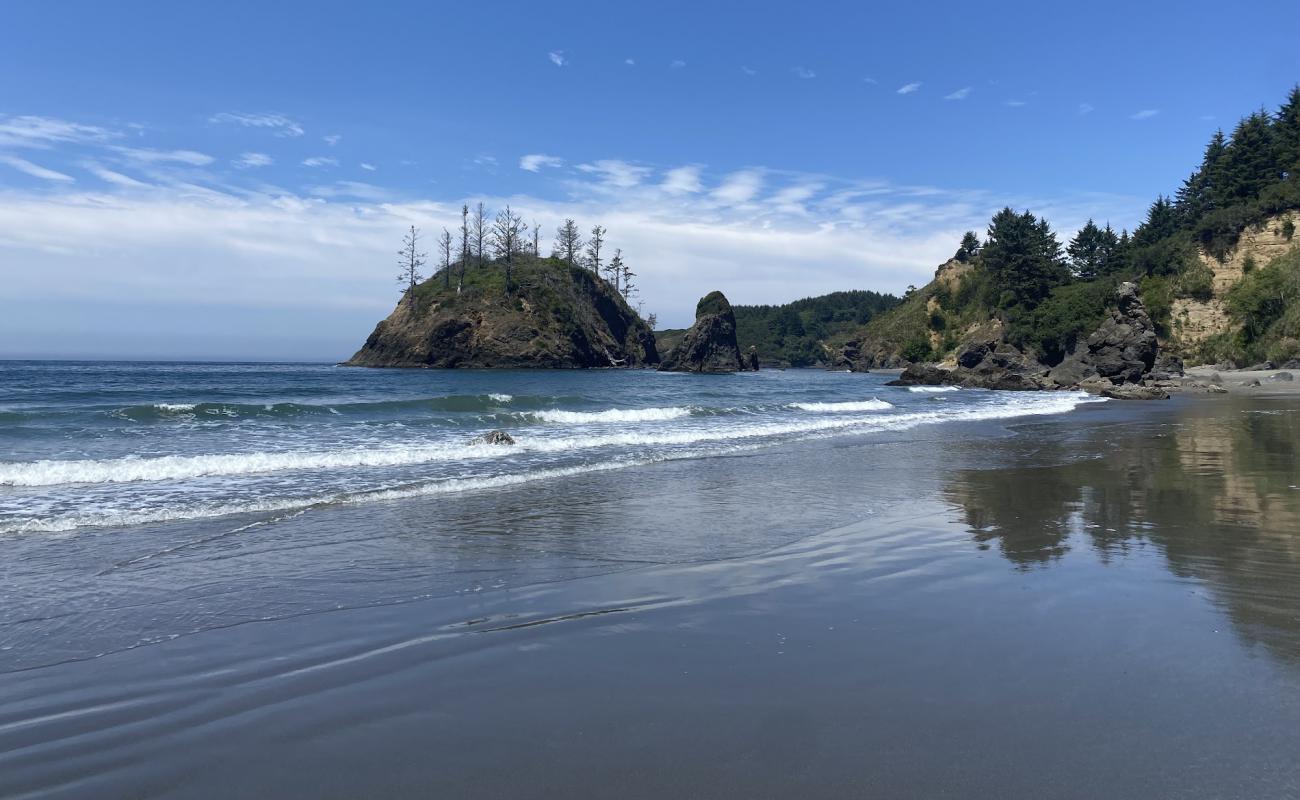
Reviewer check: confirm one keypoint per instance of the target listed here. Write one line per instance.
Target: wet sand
(1101, 604)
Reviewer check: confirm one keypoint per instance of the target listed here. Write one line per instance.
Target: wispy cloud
(748, 70)
(1013, 103)
(1086, 108)
(557, 58)
(677, 64)
(908, 88)
(320, 161)
(113, 177)
(1146, 113)
(616, 173)
(960, 94)
(804, 72)
(871, 81)
(332, 139)
(44, 132)
(148, 155)
(278, 124)
(534, 162)
(252, 160)
(36, 170)
(682, 180)
(367, 167)
(738, 187)
(631, 62)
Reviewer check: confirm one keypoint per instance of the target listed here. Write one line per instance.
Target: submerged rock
(710, 344)
(493, 437)
(1282, 376)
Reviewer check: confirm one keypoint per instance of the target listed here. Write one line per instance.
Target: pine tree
(625, 274)
(1286, 139)
(568, 242)
(1161, 222)
(507, 240)
(1203, 191)
(464, 246)
(1023, 258)
(969, 248)
(410, 259)
(444, 246)
(1248, 162)
(594, 244)
(1087, 252)
(480, 228)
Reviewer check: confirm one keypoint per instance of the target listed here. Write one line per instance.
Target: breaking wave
(857, 405)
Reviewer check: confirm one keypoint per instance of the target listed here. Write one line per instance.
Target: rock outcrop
(710, 344)
(1118, 360)
(554, 316)
(1122, 350)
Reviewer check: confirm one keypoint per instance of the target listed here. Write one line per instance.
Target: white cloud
(557, 58)
(870, 80)
(320, 161)
(682, 180)
(739, 187)
(631, 62)
(35, 170)
(252, 160)
(278, 124)
(115, 178)
(615, 173)
(1146, 113)
(908, 88)
(533, 162)
(367, 167)
(960, 94)
(43, 132)
(677, 64)
(804, 72)
(1086, 108)
(146, 155)
(332, 139)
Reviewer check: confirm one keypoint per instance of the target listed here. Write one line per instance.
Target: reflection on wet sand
(1212, 486)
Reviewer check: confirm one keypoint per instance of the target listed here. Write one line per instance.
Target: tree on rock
(507, 239)
(444, 247)
(594, 244)
(568, 242)
(410, 259)
(969, 248)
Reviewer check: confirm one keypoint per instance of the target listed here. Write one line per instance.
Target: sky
(232, 180)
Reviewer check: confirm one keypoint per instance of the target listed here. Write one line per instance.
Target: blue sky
(231, 180)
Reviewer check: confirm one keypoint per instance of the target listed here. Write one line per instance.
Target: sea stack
(710, 344)
(553, 316)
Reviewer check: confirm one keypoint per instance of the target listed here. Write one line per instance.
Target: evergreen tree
(624, 273)
(480, 227)
(410, 259)
(594, 244)
(969, 248)
(1249, 162)
(1089, 250)
(1203, 190)
(568, 242)
(507, 239)
(1023, 258)
(444, 246)
(1161, 222)
(1286, 138)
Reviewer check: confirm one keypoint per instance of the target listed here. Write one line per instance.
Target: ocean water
(287, 581)
(100, 445)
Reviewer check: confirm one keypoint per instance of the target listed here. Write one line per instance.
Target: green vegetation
(794, 334)
(1046, 297)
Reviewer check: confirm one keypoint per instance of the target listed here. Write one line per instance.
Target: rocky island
(710, 344)
(555, 315)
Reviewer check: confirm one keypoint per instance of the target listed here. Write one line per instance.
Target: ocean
(289, 580)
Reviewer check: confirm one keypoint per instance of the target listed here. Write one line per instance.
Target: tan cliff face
(1193, 321)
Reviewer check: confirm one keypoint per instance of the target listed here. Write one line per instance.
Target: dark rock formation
(751, 358)
(710, 344)
(1123, 349)
(1282, 376)
(983, 365)
(493, 437)
(555, 316)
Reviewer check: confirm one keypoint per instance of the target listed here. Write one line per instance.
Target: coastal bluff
(554, 316)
